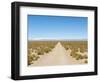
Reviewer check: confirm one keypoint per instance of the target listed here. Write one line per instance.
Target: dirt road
(58, 56)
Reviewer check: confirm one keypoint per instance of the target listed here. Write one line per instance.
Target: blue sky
(57, 27)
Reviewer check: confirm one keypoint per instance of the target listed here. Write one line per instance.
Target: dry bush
(85, 61)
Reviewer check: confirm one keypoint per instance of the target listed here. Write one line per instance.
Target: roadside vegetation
(79, 49)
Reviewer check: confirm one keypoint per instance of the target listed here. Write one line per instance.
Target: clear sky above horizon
(57, 27)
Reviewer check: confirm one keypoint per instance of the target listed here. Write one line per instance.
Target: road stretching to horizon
(58, 56)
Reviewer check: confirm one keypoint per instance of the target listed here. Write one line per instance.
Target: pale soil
(58, 56)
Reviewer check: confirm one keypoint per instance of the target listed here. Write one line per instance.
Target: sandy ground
(58, 56)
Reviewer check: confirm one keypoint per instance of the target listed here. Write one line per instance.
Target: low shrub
(85, 61)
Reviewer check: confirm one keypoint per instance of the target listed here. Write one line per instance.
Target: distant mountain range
(58, 40)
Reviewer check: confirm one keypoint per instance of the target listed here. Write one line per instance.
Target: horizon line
(59, 40)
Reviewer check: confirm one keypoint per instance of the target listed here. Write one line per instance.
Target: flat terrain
(57, 56)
